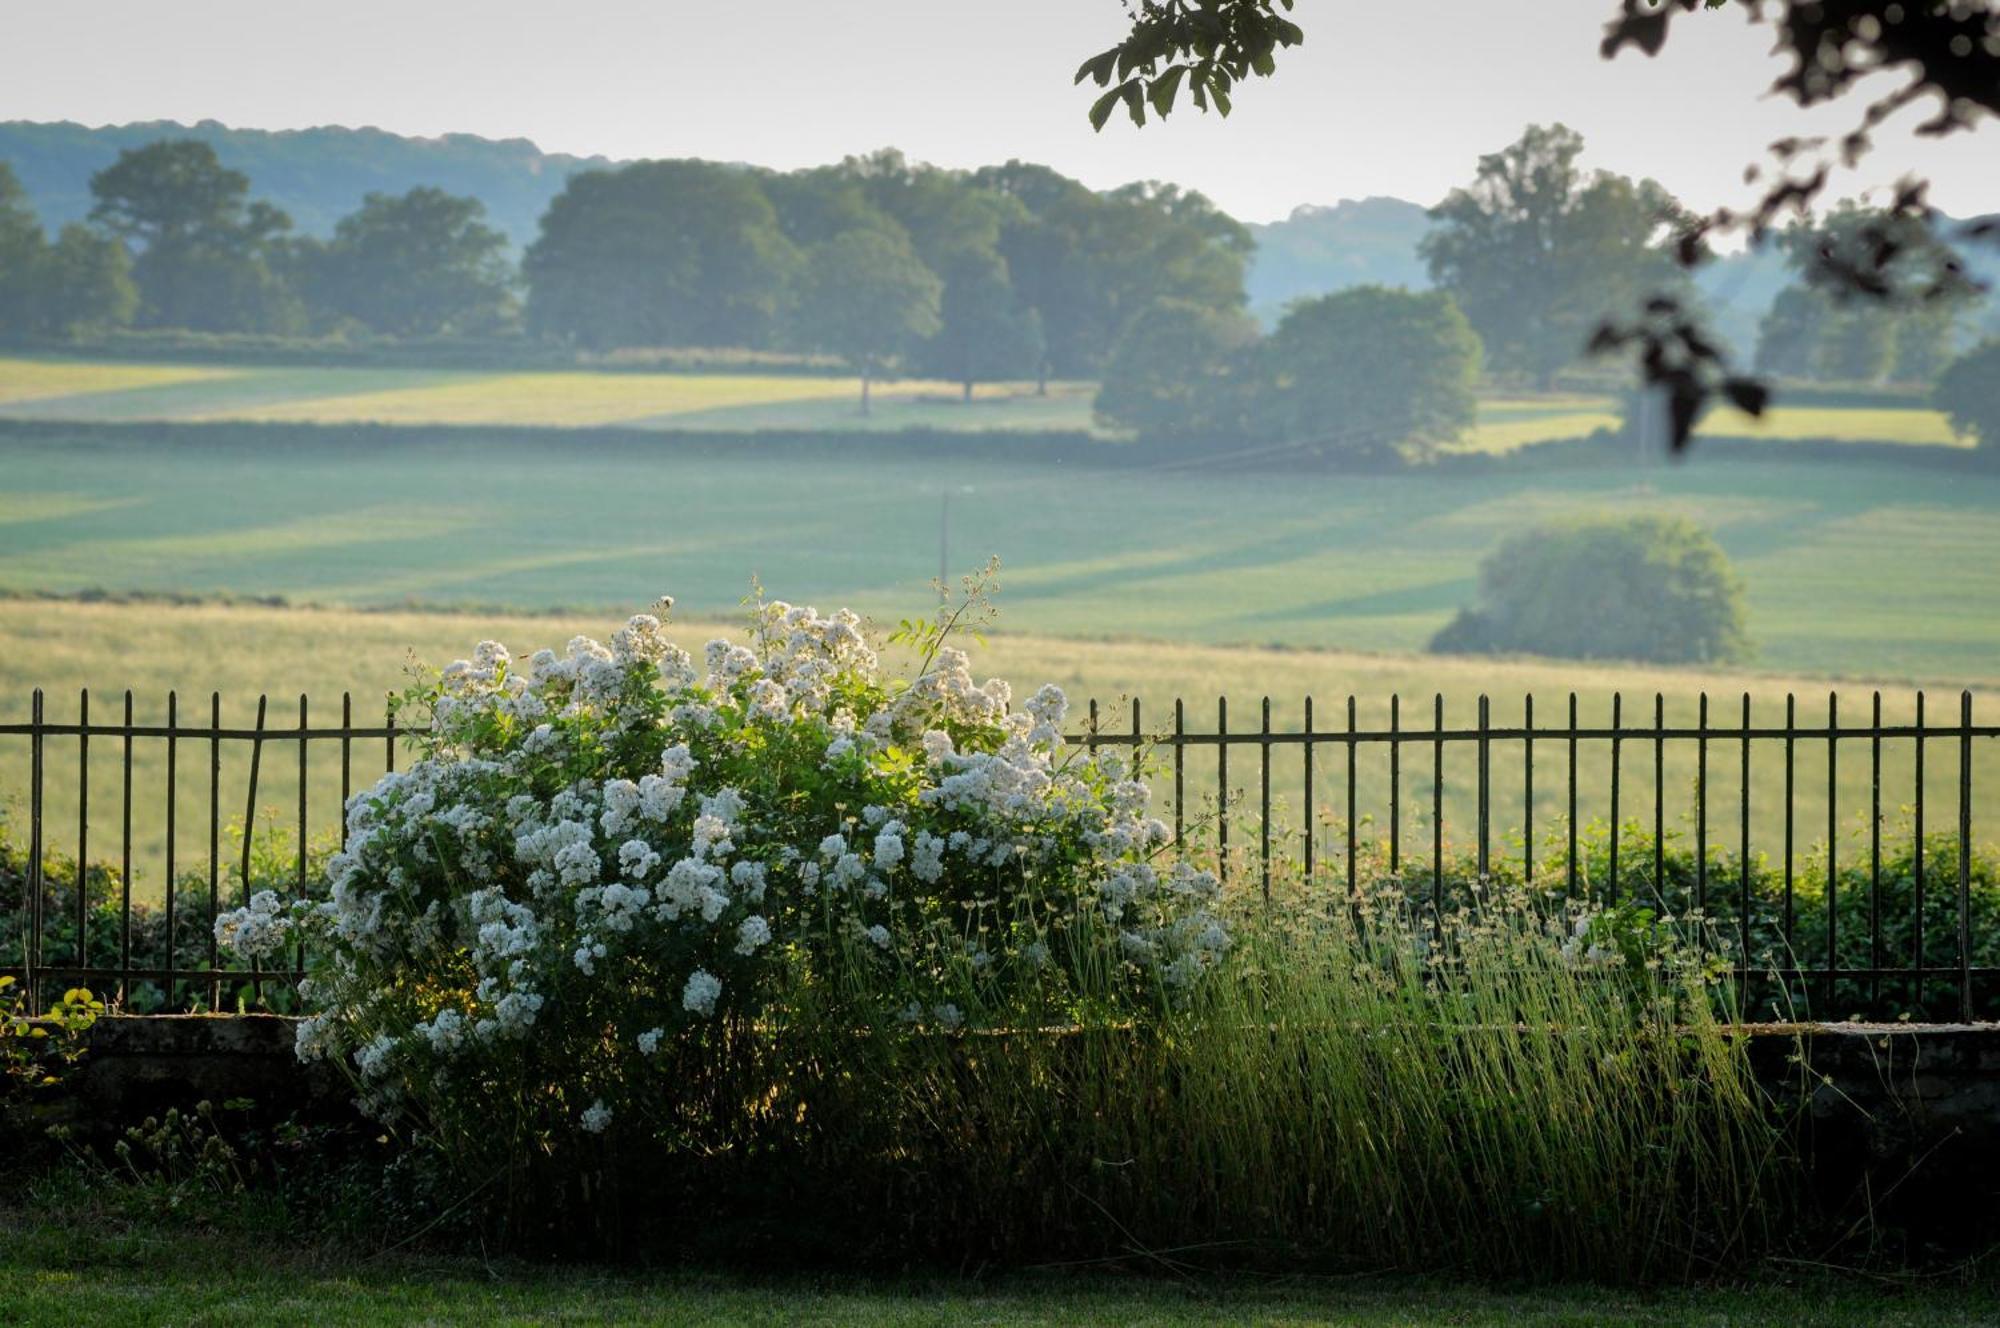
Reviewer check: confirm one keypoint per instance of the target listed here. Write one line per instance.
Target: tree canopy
(867, 298)
(423, 263)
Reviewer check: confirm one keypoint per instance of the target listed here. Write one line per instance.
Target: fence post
(1965, 855)
(31, 935)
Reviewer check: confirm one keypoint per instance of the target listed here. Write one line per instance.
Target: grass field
(1852, 568)
(88, 392)
(56, 389)
(55, 1275)
(241, 652)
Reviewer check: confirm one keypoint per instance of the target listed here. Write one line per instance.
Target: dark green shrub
(1648, 588)
(1969, 392)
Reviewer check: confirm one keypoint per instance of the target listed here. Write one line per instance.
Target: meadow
(86, 392)
(238, 653)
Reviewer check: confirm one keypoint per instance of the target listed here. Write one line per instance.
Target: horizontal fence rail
(1316, 807)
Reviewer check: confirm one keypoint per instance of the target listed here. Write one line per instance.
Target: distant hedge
(1652, 588)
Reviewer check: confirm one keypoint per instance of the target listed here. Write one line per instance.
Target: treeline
(1007, 272)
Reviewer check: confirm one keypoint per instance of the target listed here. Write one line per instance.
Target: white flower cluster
(611, 838)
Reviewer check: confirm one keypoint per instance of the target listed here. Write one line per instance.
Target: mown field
(242, 652)
(97, 392)
(1852, 568)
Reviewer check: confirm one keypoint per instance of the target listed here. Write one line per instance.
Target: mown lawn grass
(53, 1275)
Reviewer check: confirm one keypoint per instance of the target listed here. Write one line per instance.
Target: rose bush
(610, 865)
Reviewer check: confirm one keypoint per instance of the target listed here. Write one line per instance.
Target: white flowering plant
(611, 862)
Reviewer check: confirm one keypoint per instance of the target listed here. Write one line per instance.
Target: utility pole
(944, 546)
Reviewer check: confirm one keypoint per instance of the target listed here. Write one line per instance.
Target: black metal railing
(1325, 807)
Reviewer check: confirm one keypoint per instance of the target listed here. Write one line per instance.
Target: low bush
(1650, 588)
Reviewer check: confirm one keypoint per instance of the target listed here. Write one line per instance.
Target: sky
(1387, 97)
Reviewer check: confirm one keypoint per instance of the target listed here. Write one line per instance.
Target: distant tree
(1651, 588)
(1789, 335)
(1178, 371)
(866, 297)
(986, 332)
(1856, 344)
(661, 253)
(1537, 252)
(1371, 371)
(1969, 392)
(21, 246)
(86, 284)
(204, 248)
(80, 282)
(1925, 339)
(418, 264)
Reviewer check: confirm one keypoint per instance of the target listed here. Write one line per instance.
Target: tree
(1367, 372)
(1651, 588)
(80, 282)
(1946, 53)
(986, 332)
(1969, 392)
(204, 248)
(1537, 252)
(867, 298)
(1178, 371)
(1788, 337)
(661, 253)
(418, 264)
(1855, 345)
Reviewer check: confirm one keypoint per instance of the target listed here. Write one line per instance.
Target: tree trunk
(1042, 379)
(968, 392)
(864, 394)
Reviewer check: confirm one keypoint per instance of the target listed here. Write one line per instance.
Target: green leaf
(1100, 110)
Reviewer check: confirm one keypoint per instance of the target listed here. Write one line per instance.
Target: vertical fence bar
(250, 834)
(173, 753)
(125, 865)
(1569, 880)
(1353, 878)
(1743, 846)
(1965, 1012)
(1264, 800)
(1875, 851)
(214, 842)
(346, 759)
(299, 889)
(1660, 801)
(1485, 820)
(1791, 733)
(1395, 784)
(1832, 846)
(1180, 770)
(1528, 790)
(1437, 810)
(1701, 809)
(1138, 744)
(1917, 859)
(1222, 786)
(1310, 812)
(31, 935)
(1617, 724)
(82, 829)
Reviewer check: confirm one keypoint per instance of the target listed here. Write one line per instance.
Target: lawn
(53, 1275)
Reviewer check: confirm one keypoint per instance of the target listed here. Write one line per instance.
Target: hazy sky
(1387, 97)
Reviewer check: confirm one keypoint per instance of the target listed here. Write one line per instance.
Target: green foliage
(1374, 372)
(420, 264)
(1650, 588)
(1537, 252)
(1178, 371)
(866, 297)
(985, 332)
(1205, 47)
(662, 253)
(38, 1050)
(205, 251)
(1969, 392)
(80, 283)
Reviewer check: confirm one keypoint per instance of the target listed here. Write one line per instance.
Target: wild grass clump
(1513, 1089)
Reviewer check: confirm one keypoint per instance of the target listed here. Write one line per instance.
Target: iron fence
(1929, 943)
